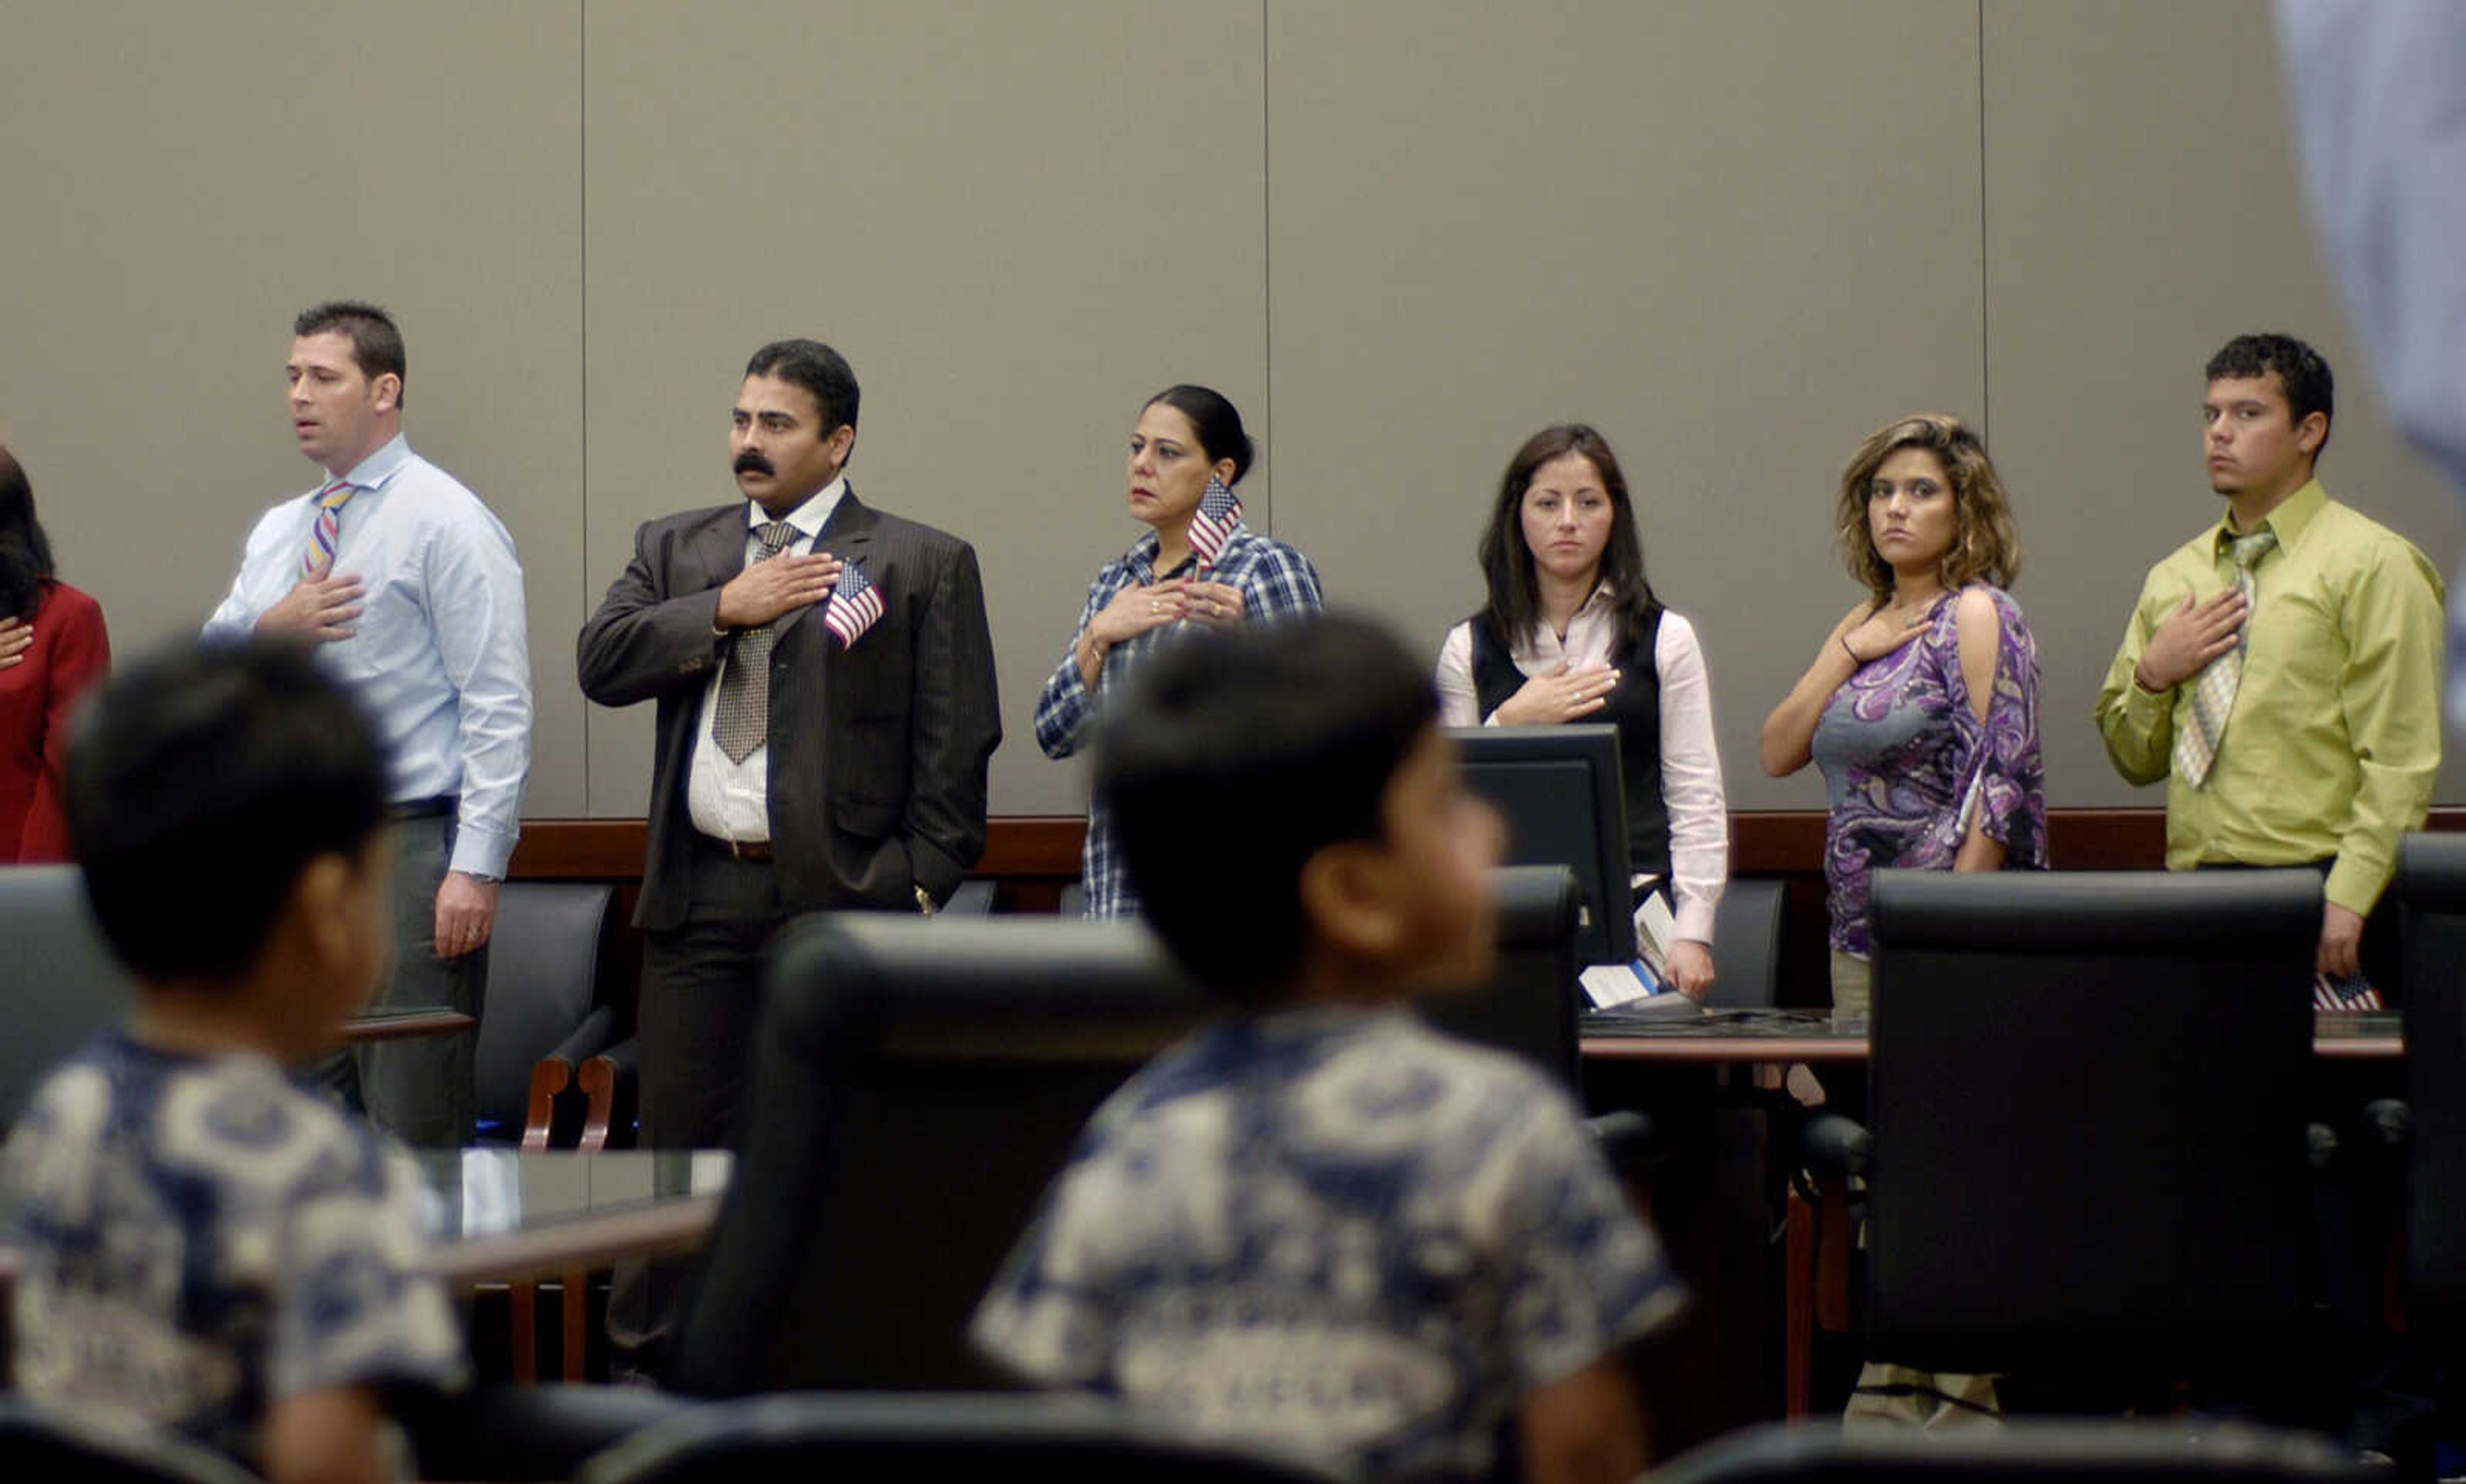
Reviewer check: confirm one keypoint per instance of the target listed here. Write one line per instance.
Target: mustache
(751, 462)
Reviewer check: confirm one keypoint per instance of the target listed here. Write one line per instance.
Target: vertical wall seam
(1985, 341)
(1267, 249)
(582, 329)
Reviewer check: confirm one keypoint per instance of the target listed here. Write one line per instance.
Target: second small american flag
(855, 603)
(1211, 526)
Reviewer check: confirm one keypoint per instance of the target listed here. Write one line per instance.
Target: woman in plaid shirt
(1198, 565)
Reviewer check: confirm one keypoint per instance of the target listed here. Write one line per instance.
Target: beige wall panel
(181, 180)
(2142, 208)
(1016, 221)
(1734, 236)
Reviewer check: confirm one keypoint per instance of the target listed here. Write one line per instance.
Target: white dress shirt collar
(808, 518)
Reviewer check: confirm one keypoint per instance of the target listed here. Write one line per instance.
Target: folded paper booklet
(1631, 986)
(1655, 1003)
(1654, 929)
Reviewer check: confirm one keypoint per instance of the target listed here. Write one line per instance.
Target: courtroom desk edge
(1699, 1050)
(1683, 1047)
(401, 1024)
(1047, 847)
(654, 1228)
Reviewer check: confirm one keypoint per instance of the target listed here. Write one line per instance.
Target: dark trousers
(422, 1090)
(701, 1002)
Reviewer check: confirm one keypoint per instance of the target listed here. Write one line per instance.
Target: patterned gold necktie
(744, 716)
(325, 537)
(2213, 691)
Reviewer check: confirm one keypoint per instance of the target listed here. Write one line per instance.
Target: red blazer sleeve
(76, 652)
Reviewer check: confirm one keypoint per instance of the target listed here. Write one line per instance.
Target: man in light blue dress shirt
(413, 595)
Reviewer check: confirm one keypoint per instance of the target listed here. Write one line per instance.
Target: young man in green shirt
(2282, 669)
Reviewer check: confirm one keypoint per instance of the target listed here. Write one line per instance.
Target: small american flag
(1211, 526)
(2352, 992)
(855, 603)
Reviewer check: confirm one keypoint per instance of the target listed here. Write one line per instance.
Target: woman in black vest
(1572, 632)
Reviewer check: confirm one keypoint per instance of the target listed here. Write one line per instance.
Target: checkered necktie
(743, 717)
(325, 537)
(2213, 689)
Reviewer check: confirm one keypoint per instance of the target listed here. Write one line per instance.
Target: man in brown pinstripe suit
(820, 745)
(826, 711)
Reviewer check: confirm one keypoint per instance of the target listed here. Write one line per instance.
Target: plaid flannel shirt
(1276, 581)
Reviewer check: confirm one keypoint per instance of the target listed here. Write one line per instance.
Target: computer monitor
(1566, 802)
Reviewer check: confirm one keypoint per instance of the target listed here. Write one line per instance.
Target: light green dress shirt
(2334, 736)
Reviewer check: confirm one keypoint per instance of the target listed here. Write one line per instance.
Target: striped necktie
(744, 716)
(325, 537)
(2203, 722)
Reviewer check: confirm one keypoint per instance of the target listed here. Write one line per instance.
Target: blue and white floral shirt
(201, 1237)
(1331, 1229)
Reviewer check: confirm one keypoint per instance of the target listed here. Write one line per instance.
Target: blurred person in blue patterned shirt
(1316, 1221)
(208, 1245)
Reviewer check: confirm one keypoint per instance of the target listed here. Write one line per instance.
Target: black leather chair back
(2431, 895)
(795, 1440)
(2089, 1126)
(1529, 1005)
(40, 1446)
(546, 958)
(58, 982)
(1746, 945)
(2033, 1450)
(917, 1083)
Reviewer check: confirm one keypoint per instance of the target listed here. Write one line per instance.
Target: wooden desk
(1731, 1038)
(403, 1023)
(501, 1215)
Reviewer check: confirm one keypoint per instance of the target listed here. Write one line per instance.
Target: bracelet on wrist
(1851, 653)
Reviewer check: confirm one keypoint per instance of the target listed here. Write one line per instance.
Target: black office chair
(1529, 1008)
(856, 1436)
(39, 1444)
(495, 1432)
(548, 1020)
(917, 1084)
(1746, 945)
(550, 1001)
(971, 898)
(2431, 893)
(2090, 1150)
(59, 983)
(1529, 1005)
(2035, 1451)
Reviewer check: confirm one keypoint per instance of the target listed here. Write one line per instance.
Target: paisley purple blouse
(1906, 764)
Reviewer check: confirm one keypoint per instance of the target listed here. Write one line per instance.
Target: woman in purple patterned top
(1923, 705)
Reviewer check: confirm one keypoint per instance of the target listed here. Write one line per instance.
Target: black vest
(1635, 707)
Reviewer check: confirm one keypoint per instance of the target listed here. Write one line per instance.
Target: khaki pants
(1896, 1396)
(1853, 992)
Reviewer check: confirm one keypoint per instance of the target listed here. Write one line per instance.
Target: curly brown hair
(1985, 543)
